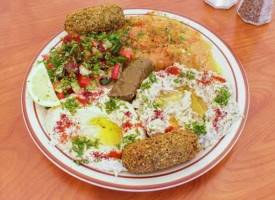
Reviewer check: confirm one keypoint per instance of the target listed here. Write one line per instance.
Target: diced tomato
(45, 57)
(50, 65)
(217, 78)
(60, 95)
(114, 154)
(169, 129)
(77, 39)
(115, 71)
(82, 101)
(173, 70)
(92, 76)
(127, 52)
(83, 81)
(70, 90)
(68, 38)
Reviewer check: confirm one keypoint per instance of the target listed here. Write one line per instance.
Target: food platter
(231, 69)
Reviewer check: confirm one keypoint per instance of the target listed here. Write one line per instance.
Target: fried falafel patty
(160, 152)
(103, 18)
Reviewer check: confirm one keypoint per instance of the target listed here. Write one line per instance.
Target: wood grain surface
(247, 172)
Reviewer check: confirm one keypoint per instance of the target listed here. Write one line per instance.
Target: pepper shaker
(256, 12)
(221, 4)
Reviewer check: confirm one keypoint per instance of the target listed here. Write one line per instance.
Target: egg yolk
(166, 97)
(197, 104)
(109, 132)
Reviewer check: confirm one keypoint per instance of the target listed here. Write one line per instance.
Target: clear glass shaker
(256, 12)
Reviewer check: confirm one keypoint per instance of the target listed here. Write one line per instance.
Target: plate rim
(154, 187)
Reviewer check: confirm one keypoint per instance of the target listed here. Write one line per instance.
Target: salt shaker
(256, 12)
(221, 4)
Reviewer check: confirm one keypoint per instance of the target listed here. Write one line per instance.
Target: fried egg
(101, 136)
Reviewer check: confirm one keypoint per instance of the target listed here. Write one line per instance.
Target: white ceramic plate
(34, 116)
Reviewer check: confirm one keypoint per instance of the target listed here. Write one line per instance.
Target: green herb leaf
(112, 104)
(145, 85)
(157, 105)
(80, 144)
(198, 127)
(153, 78)
(71, 105)
(222, 97)
(181, 38)
(190, 75)
(129, 139)
(182, 74)
(115, 49)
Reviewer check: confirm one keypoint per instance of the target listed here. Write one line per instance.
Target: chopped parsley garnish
(222, 97)
(190, 75)
(182, 74)
(147, 84)
(187, 126)
(112, 104)
(112, 60)
(129, 139)
(181, 38)
(157, 105)
(153, 78)
(198, 127)
(115, 49)
(78, 162)
(71, 105)
(128, 41)
(176, 80)
(80, 144)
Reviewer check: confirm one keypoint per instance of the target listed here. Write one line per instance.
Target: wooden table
(247, 172)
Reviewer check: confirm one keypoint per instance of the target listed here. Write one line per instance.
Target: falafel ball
(160, 151)
(103, 18)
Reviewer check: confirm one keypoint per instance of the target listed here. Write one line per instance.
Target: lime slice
(40, 87)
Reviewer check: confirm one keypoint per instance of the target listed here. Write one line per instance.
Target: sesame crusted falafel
(103, 18)
(160, 151)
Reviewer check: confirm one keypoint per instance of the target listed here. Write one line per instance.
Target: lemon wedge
(40, 87)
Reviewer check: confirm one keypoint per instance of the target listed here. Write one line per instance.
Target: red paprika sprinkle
(217, 78)
(114, 154)
(127, 125)
(173, 70)
(128, 114)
